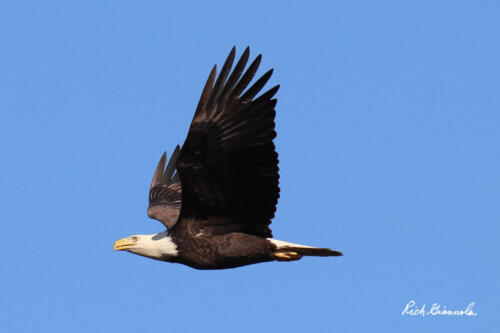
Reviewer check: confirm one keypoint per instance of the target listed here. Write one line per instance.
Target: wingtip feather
(158, 175)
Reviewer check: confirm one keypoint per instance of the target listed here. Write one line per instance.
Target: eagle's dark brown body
(218, 251)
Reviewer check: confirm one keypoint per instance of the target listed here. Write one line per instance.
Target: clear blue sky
(388, 134)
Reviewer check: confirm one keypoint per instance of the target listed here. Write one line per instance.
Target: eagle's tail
(286, 251)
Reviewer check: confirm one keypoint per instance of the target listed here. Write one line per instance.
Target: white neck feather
(157, 246)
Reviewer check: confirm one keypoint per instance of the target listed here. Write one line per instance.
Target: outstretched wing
(165, 192)
(228, 165)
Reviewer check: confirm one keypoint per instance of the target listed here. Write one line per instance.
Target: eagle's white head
(157, 246)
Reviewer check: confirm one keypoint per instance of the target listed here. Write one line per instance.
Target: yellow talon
(287, 256)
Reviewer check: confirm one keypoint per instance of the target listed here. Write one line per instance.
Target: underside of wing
(228, 165)
(165, 193)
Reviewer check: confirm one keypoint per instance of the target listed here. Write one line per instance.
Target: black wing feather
(219, 84)
(247, 77)
(236, 74)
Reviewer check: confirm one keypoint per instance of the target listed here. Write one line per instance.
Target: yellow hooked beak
(124, 244)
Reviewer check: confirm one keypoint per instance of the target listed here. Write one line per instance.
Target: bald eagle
(218, 193)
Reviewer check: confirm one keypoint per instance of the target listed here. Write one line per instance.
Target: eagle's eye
(134, 238)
